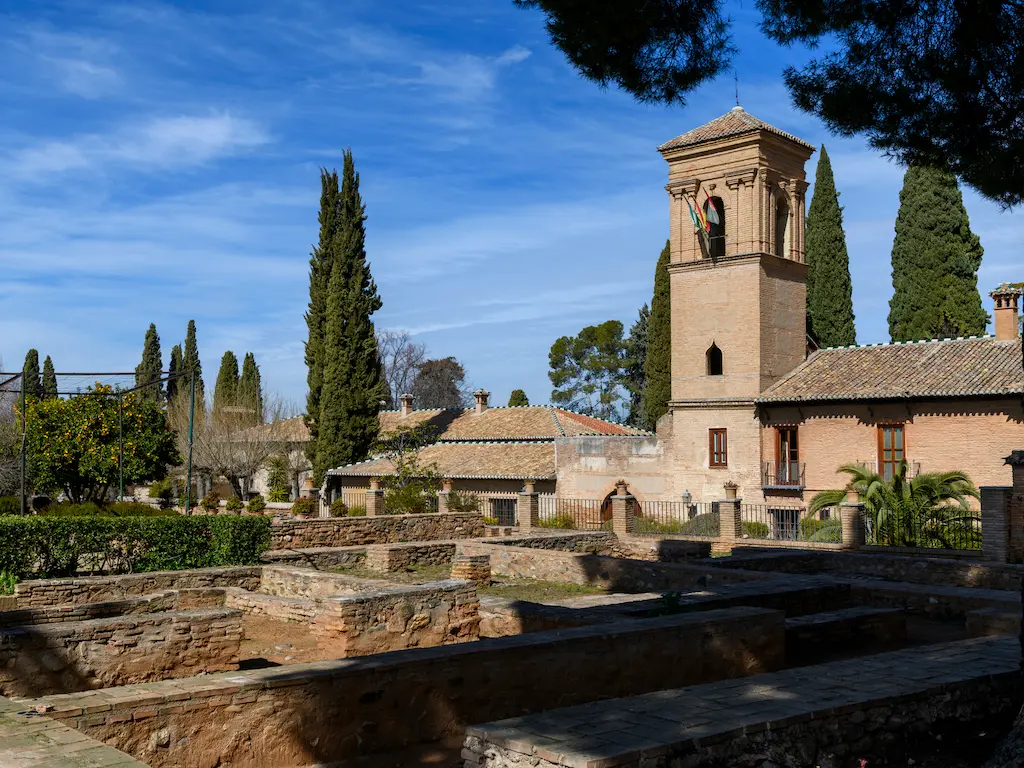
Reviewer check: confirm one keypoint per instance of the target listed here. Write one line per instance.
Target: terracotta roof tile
(520, 461)
(735, 122)
(970, 367)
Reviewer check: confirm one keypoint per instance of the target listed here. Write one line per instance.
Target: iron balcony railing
(787, 474)
(886, 470)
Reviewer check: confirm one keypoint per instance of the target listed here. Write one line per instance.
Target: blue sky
(159, 162)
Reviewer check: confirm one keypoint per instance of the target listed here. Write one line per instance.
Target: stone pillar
(995, 523)
(730, 524)
(622, 510)
(374, 499)
(472, 568)
(1015, 508)
(443, 495)
(851, 518)
(528, 512)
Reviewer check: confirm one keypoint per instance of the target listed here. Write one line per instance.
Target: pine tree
(829, 288)
(176, 366)
(518, 398)
(250, 391)
(49, 381)
(30, 372)
(353, 380)
(636, 380)
(148, 372)
(225, 392)
(658, 365)
(935, 260)
(320, 268)
(191, 363)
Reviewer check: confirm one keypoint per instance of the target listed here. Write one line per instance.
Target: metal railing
(876, 466)
(935, 528)
(787, 474)
(789, 523)
(676, 518)
(571, 514)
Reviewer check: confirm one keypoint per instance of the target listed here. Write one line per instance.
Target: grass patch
(534, 591)
(414, 574)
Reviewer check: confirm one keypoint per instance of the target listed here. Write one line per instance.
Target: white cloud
(514, 55)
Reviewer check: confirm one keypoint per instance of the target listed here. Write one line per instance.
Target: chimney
(1006, 317)
(481, 396)
(406, 401)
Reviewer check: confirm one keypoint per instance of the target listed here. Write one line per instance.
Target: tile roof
(496, 460)
(735, 122)
(971, 367)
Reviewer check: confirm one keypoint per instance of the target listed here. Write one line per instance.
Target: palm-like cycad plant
(930, 510)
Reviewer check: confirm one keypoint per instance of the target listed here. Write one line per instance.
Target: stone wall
(586, 542)
(92, 589)
(397, 557)
(285, 581)
(332, 711)
(323, 558)
(170, 600)
(80, 655)
(383, 529)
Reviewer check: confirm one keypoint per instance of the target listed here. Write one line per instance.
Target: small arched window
(714, 210)
(714, 356)
(781, 227)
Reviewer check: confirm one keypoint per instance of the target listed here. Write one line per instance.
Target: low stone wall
(397, 557)
(332, 711)
(986, 622)
(936, 601)
(860, 628)
(383, 529)
(661, 550)
(323, 558)
(79, 655)
(285, 581)
(614, 574)
(158, 602)
(94, 589)
(583, 542)
(500, 617)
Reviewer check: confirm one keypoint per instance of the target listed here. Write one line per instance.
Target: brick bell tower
(738, 296)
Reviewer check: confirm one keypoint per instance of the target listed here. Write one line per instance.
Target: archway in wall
(715, 362)
(606, 506)
(782, 233)
(716, 236)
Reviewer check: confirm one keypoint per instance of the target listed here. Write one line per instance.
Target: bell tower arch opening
(715, 365)
(714, 211)
(782, 245)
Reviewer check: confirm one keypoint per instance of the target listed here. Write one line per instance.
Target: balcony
(874, 465)
(787, 476)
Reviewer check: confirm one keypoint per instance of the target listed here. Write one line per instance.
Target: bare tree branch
(402, 359)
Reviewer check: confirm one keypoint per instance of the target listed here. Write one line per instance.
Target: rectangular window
(719, 448)
(788, 457)
(891, 449)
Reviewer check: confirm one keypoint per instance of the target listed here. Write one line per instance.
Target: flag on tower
(712, 212)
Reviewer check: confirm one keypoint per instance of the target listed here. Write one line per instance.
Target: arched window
(714, 356)
(714, 209)
(781, 227)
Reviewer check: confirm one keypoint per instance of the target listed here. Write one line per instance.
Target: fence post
(622, 510)
(443, 495)
(851, 519)
(374, 499)
(528, 511)
(995, 523)
(730, 524)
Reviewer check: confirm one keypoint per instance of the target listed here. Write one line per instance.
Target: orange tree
(72, 443)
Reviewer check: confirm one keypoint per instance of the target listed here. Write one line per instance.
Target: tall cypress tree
(250, 390)
(935, 260)
(518, 398)
(49, 381)
(191, 363)
(636, 379)
(353, 381)
(829, 288)
(225, 391)
(151, 367)
(320, 268)
(176, 366)
(658, 365)
(30, 372)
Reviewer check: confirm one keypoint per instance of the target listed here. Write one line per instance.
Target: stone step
(861, 628)
(985, 622)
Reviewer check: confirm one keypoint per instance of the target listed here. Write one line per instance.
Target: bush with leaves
(211, 501)
(8, 581)
(563, 520)
(278, 479)
(461, 501)
(234, 504)
(10, 505)
(357, 511)
(114, 509)
(256, 504)
(188, 502)
(339, 508)
(163, 492)
(304, 508)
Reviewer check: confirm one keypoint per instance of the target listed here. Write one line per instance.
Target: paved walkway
(31, 740)
(611, 733)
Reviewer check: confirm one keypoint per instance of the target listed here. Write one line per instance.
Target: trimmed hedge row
(65, 546)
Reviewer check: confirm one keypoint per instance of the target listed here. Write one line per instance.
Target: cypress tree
(658, 365)
(151, 367)
(353, 380)
(191, 363)
(320, 268)
(49, 381)
(636, 381)
(225, 391)
(174, 367)
(935, 260)
(518, 398)
(30, 372)
(829, 288)
(250, 391)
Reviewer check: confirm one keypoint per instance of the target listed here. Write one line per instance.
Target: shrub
(8, 581)
(277, 494)
(234, 504)
(339, 508)
(408, 500)
(163, 491)
(210, 502)
(563, 520)
(190, 500)
(10, 505)
(114, 509)
(753, 529)
(64, 545)
(460, 501)
(488, 520)
(303, 508)
(256, 504)
(357, 511)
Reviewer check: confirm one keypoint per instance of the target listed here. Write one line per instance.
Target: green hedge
(66, 545)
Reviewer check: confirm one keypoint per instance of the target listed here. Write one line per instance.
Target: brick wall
(331, 711)
(79, 655)
(385, 529)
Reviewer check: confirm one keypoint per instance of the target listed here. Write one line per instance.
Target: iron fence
(789, 523)
(676, 518)
(572, 514)
(935, 528)
(787, 474)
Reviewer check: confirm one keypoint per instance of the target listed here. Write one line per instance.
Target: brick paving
(31, 740)
(619, 731)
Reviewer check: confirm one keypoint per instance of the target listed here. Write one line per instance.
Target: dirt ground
(273, 642)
